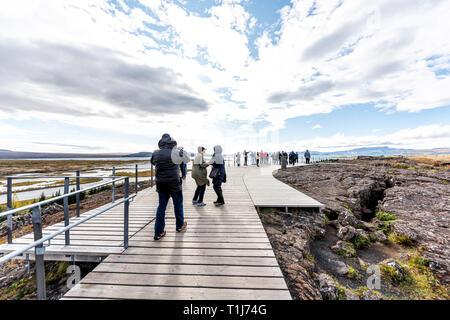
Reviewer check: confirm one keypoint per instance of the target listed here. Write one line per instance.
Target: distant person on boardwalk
(167, 160)
(199, 174)
(218, 174)
(238, 159)
(183, 167)
(307, 156)
(275, 157)
(245, 158)
(257, 159)
(292, 158)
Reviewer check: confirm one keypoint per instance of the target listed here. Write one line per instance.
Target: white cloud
(425, 137)
(317, 126)
(385, 52)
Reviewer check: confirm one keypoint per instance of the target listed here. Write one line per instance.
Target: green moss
(385, 228)
(392, 274)
(400, 165)
(352, 273)
(419, 263)
(19, 289)
(361, 242)
(346, 205)
(420, 283)
(360, 291)
(385, 216)
(444, 181)
(326, 220)
(310, 258)
(402, 240)
(55, 276)
(267, 210)
(341, 293)
(346, 252)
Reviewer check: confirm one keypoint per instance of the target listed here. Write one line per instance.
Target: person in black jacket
(218, 174)
(167, 161)
(307, 156)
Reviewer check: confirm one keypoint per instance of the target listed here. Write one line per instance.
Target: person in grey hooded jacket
(167, 160)
(199, 174)
(219, 174)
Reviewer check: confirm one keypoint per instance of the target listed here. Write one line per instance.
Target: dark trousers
(307, 160)
(245, 161)
(177, 198)
(257, 162)
(199, 193)
(218, 190)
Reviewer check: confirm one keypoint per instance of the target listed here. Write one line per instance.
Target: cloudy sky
(113, 76)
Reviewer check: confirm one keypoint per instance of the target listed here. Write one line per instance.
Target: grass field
(433, 160)
(10, 167)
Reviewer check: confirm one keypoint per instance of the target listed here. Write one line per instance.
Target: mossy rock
(385, 216)
(361, 242)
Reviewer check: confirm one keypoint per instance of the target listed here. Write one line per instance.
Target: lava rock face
(290, 235)
(353, 191)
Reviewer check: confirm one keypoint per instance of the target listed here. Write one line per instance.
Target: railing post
(39, 253)
(113, 184)
(9, 207)
(125, 212)
(78, 195)
(136, 179)
(151, 175)
(66, 210)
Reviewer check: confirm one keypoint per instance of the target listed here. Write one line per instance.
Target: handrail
(39, 249)
(57, 177)
(40, 203)
(99, 168)
(56, 233)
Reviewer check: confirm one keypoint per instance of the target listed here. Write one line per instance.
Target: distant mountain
(383, 151)
(143, 154)
(7, 154)
(1, 150)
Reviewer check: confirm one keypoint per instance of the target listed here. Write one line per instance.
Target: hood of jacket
(218, 157)
(199, 156)
(166, 142)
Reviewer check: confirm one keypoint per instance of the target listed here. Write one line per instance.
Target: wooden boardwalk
(96, 238)
(224, 254)
(267, 191)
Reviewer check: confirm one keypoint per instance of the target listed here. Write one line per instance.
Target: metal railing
(77, 177)
(39, 240)
(39, 249)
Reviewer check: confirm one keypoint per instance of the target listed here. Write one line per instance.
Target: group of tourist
(171, 160)
(252, 158)
(291, 158)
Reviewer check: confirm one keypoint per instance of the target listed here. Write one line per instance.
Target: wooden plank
(200, 252)
(173, 293)
(205, 260)
(267, 191)
(224, 270)
(199, 281)
(198, 245)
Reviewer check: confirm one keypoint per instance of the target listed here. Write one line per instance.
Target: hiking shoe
(183, 228)
(159, 236)
(201, 204)
(219, 204)
(194, 201)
